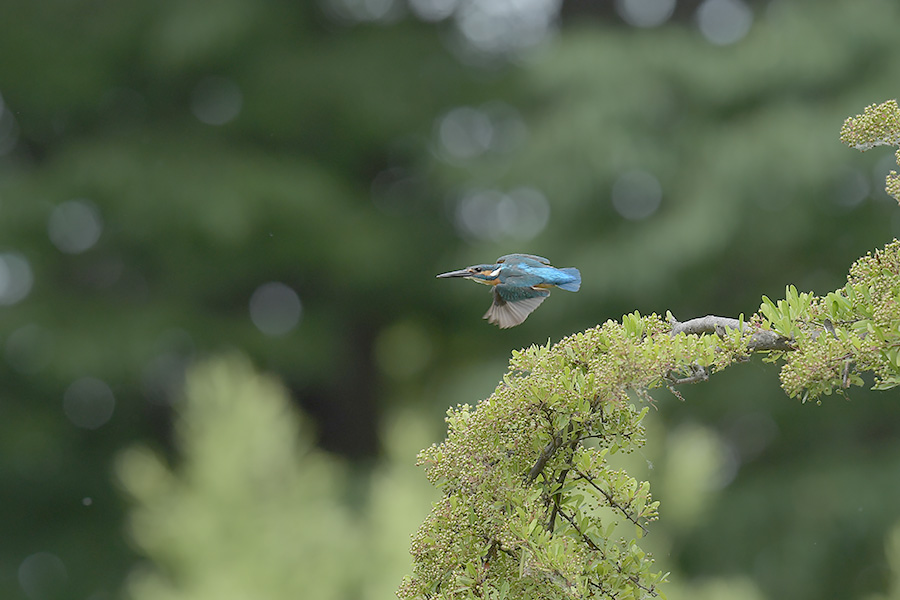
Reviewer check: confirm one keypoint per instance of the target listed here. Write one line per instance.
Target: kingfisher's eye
(477, 269)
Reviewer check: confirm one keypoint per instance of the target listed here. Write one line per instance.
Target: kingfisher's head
(487, 274)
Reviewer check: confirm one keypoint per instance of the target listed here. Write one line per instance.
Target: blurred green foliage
(226, 523)
(333, 178)
(252, 510)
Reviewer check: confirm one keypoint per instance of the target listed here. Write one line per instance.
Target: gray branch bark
(761, 340)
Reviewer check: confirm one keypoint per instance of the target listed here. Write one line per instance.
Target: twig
(547, 453)
(612, 502)
(698, 374)
(560, 480)
(590, 543)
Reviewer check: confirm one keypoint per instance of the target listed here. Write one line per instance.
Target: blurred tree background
(282, 180)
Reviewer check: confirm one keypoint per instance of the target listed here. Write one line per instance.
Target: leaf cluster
(838, 336)
(879, 125)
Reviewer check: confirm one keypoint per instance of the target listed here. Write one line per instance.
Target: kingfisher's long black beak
(460, 273)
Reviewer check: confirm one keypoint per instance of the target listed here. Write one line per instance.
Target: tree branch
(618, 565)
(698, 374)
(762, 339)
(547, 453)
(612, 501)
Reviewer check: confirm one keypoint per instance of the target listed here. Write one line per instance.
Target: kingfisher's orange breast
(493, 281)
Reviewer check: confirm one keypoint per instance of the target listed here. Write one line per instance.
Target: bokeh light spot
(74, 226)
(352, 11)
(636, 194)
(275, 308)
(504, 26)
(433, 10)
(16, 278)
(89, 403)
(42, 576)
(492, 215)
(724, 22)
(645, 13)
(477, 214)
(524, 213)
(216, 100)
(465, 132)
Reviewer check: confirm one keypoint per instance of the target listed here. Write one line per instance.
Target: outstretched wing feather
(512, 311)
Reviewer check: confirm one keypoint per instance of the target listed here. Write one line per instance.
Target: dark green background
(333, 180)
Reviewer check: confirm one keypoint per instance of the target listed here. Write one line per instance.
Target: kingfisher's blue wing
(527, 275)
(514, 277)
(512, 304)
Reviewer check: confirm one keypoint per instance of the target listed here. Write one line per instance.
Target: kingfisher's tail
(575, 284)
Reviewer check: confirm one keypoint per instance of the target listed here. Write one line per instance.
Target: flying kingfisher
(521, 283)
